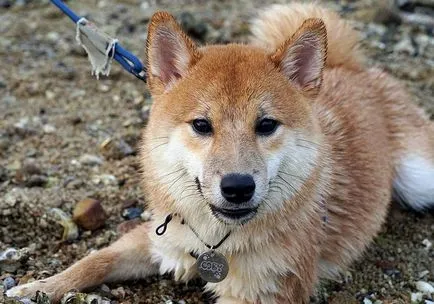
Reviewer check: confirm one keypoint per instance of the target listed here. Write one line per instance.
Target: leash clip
(163, 227)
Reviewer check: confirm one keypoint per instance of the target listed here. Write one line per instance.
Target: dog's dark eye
(202, 126)
(266, 126)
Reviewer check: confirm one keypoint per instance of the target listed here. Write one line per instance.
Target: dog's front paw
(29, 290)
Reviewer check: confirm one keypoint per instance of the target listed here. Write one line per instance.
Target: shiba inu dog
(273, 162)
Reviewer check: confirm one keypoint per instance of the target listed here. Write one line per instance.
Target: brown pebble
(89, 214)
(124, 227)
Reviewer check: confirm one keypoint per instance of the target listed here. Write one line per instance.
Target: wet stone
(89, 214)
(8, 283)
(132, 213)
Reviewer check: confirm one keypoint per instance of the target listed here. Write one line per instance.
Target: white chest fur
(253, 274)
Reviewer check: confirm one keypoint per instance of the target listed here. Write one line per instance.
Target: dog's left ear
(170, 52)
(302, 57)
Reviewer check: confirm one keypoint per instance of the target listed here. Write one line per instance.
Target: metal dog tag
(212, 266)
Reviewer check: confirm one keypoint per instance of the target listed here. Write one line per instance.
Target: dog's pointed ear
(302, 57)
(170, 52)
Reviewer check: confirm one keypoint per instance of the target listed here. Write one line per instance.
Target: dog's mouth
(234, 215)
(229, 215)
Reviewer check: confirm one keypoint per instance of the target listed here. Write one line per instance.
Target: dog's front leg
(127, 258)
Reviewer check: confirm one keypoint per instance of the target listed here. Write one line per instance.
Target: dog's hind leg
(127, 258)
(412, 143)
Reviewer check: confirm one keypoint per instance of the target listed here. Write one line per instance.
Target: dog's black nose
(237, 188)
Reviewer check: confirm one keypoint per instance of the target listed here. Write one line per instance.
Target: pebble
(5, 143)
(48, 129)
(146, 215)
(72, 182)
(10, 254)
(8, 283)
(26, 126)
(105, 179)
(89, 214)
(10, 259)
(116, 149)
(13, 197)
(367, 301)
(133, 121)
(132, 213)
(74, 297)
(104, 290)
(118, 293)
(36, 181)
(427, 243)
(423, 274)
(405, 46)
(75, 120)
(91, 160)
(416, 297)
(53, 36)
(29, 167)
(70, 229)
(103, 88)
(3, 174)
(424, 287)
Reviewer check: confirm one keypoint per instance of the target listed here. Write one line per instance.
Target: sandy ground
(55, 117)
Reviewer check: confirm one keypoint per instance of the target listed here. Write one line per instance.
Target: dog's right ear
(170, 53)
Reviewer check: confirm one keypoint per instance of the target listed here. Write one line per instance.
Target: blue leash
(128, 61)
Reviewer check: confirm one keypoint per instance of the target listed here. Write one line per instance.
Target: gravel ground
(66, 137)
